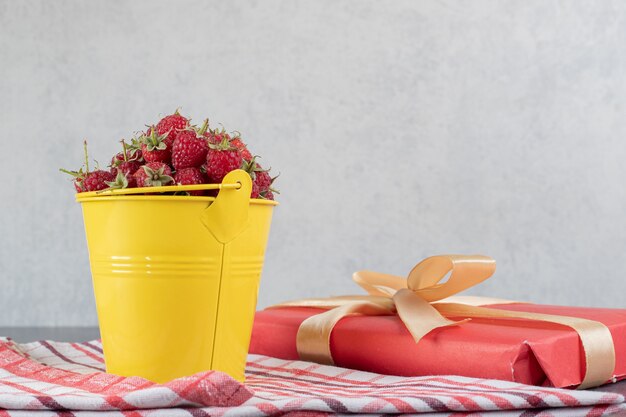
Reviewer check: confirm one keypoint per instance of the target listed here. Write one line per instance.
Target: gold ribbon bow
(424, 304)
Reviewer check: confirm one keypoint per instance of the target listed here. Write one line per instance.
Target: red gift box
(409, 327)
(525, 351)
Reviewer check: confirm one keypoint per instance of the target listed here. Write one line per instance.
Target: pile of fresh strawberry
(174, 151)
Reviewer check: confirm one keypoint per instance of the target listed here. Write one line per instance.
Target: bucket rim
(234, 181)
(185, 198)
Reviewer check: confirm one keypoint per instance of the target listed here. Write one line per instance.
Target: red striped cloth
(68, 379)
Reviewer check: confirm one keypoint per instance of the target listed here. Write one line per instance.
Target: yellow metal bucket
(176, 277)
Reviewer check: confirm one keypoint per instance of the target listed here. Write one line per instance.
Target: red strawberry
(216, 137)
(238, 143)
(128, 167)
(261, 179)
(155, 147)
(221, 159)
(97, 180)
(188, 176)
(255, 190)
(127, 162)
(129, 153)
(117, 159)
(153, 174)
(268, 195)
(190, 147)
(170, 125)
(89, 181)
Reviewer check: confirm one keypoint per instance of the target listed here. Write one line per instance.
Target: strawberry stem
(72, 173)
(124, 148)
(86, 155)
(204, 127)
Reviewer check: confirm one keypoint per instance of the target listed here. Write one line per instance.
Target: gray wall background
(401, 129)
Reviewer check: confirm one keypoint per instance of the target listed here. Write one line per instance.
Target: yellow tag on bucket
(227, 217)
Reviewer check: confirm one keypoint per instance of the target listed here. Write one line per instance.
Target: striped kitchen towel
(67, 379)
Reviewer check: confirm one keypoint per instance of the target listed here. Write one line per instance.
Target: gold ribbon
(424, 304)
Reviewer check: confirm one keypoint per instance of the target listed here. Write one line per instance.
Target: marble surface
(401, 129)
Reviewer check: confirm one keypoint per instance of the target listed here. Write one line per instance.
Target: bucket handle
(163, 189)
(227, 217)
